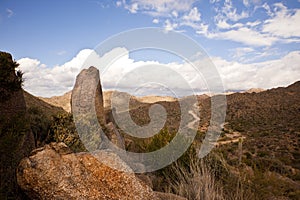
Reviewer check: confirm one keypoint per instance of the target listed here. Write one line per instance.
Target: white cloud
(222, 24)
(229, 12)
(246, 3)
(268, 74)
(285, 23)
(160, 7)
(175, 13)
(155, 21)
(126, 74)
(231, 22)
(119, 3)
(242, 51)
(268, 9)
(253, 24)
(280, 26)
(202, 29)
(133, 8)
(169, 26)
(45, 81)
(246, 36)
(193, 15)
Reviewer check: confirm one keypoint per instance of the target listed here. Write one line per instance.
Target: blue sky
(247, 40)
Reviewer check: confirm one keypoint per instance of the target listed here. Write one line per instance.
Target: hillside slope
(258, 147)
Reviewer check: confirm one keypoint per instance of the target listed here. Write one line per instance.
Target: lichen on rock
(53, 172)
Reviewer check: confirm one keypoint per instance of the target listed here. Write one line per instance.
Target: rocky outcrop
(88, 90)
(53, 172)
(114, 136)
(62, 101)
(88, 110)
(16, 138)
(11, 94)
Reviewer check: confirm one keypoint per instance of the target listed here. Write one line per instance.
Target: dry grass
(196, 182)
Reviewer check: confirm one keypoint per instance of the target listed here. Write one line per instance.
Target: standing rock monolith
(89, 115)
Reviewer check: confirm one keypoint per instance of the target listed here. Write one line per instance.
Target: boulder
(53, 172)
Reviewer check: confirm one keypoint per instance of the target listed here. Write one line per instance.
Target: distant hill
(259, 142)
(268, 127)
(48, 108)
(255, 90)
(60, 101)
(64, 100)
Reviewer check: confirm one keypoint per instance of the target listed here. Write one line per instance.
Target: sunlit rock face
(54, 172)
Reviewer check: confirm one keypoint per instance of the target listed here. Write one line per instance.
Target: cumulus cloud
(146, 77)
(41, 80)
(268, 74)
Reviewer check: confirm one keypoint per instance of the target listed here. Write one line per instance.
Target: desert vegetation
(256, 157)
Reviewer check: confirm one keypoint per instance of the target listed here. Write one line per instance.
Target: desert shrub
(10, 79)
(63, 129)
(18, 125)
(160, 140)
(268, 185)
(39, 124)
(195, 181)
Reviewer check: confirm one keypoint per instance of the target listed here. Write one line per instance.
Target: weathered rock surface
(114, 136)
(16, 138)
(87, 94)
(88, 110)
(53, 172)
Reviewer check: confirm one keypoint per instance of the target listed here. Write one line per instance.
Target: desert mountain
(62, 101)
(256, 156)
(266, 121)
(47, 108)
(255, 90)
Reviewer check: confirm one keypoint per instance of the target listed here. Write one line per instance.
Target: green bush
(63, 129)
(10, 79)
(39, 124)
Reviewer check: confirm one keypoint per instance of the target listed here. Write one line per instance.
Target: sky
(252, 44)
